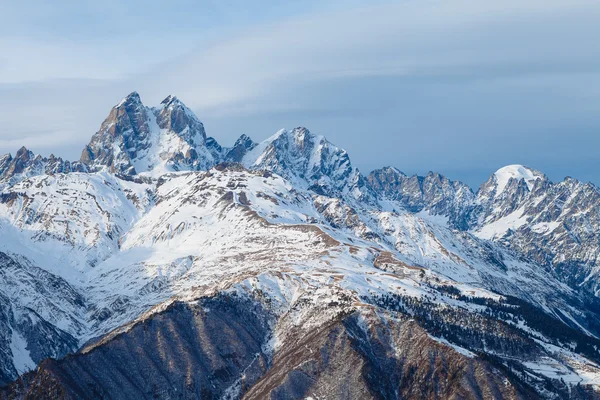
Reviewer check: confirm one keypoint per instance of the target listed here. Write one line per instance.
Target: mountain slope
(320, 282)
(554, 224)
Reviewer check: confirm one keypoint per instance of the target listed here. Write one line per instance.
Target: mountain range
(164, 265)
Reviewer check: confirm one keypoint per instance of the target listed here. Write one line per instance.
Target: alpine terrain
(164, 265)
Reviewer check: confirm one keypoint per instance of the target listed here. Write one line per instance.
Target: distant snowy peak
(506, 190)
(516, 172)
(136, 139)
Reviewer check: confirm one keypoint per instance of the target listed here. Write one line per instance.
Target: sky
(460, 87)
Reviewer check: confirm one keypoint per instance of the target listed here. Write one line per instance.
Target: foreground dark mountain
(221, 347)
(174, 267)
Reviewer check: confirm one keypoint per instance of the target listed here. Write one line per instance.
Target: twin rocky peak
(138, 140)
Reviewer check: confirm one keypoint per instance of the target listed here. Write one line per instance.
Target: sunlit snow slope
(288, 239)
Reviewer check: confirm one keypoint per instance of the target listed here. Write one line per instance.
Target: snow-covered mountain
(174, 267)
(554, 224)
(135, 139)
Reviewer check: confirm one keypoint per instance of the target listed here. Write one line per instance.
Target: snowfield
(165, 215)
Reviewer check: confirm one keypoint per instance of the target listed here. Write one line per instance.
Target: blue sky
(459, 87)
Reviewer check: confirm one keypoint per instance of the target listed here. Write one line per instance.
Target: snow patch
(505, 174)
(498, 228)
(456, 348)
(21, 358)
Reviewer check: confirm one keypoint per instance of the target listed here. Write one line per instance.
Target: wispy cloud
(450, 85)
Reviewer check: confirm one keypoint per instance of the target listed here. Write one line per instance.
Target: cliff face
(222, 348)
(194, 350)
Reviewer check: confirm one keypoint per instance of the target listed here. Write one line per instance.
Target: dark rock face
(191, 351)
(241, 146)
(126, 129)
(26, 164)
(388, 360)
(176, 117)
(214, 148)
(7, 369)
(22, 158)
(217, 348)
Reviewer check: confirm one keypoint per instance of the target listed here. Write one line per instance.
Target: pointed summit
(126, 128)
(308, 160)
(138, 139)
(240, 148)
(132, 98)
(24, 154)
(177, 117)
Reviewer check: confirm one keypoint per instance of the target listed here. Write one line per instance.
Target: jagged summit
(26, 164)
(137, 139)
(131, 99)
(176, 117)
(169, 99)
(240, 148)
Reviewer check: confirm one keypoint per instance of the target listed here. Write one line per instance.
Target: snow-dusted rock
(159, 237)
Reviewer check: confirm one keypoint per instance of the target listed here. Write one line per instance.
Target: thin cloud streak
(419, 85)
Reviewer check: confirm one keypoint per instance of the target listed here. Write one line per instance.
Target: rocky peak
(20, 162)
(174, 116)
(310, 161)
(510, 178)
(240, 148)
(386, 181)
(5, 162)
(169, 99)
(24, 154)
(122, 135)
(135, 139)
(507, 189)
(303, 138)
(26, 164)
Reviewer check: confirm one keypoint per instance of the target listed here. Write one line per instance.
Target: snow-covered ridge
(137, 140)
(160, 212)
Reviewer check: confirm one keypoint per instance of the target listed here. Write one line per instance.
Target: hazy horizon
(461, 88)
